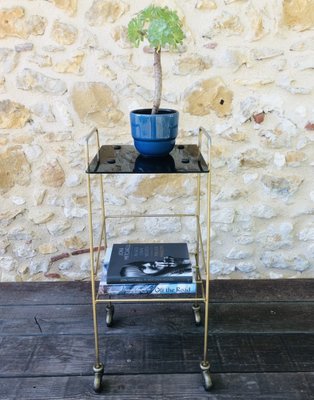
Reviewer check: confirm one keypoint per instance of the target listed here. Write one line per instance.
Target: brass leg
(98, 367)
(196, 307)
(92, 267)
(205, 366)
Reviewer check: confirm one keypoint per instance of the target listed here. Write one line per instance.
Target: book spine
(149, 280)
(162, 288)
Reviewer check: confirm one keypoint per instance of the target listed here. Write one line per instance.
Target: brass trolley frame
(201, 253)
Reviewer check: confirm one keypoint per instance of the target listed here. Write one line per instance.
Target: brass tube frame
(199, 254)
(91, 252)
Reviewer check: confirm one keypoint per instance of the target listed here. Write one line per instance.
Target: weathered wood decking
(261, 344)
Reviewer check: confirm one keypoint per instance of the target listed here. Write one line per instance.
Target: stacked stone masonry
(245, 72)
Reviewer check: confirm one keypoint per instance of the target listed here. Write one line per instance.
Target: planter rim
(147, 111)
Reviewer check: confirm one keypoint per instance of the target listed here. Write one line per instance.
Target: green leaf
(135, 31)
(159, 25)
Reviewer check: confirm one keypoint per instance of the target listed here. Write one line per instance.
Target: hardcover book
(141, 288)
(149, 263)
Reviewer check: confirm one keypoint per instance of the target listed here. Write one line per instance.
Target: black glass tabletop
(124, 159)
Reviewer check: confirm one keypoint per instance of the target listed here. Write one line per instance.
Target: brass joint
(98, 368)
(205, 366)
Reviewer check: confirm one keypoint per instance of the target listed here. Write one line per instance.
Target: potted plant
(154, 130)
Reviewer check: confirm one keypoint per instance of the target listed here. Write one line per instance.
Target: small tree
(161, 27)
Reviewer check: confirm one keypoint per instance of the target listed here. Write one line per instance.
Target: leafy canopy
(159, 25)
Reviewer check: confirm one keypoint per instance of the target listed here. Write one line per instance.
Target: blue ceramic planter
(154, 134)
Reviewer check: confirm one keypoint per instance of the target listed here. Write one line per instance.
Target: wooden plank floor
(261, 344)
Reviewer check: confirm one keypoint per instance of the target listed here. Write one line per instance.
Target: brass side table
(124, 159)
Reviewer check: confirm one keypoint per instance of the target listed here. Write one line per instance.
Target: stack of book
(147, 268)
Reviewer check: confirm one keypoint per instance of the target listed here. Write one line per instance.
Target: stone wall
(245, 72)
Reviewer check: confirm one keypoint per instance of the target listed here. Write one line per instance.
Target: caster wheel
(208, 384)
(98, 377)
(97, 383)
(197, 314)
(109, 315)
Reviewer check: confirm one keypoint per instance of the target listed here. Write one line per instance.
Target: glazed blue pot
(154, 135)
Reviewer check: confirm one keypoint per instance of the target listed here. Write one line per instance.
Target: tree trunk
(158, 81)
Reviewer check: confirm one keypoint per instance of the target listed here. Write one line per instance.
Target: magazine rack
(124, 159)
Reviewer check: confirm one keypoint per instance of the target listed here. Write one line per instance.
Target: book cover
(149, 263)
(140, 288)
